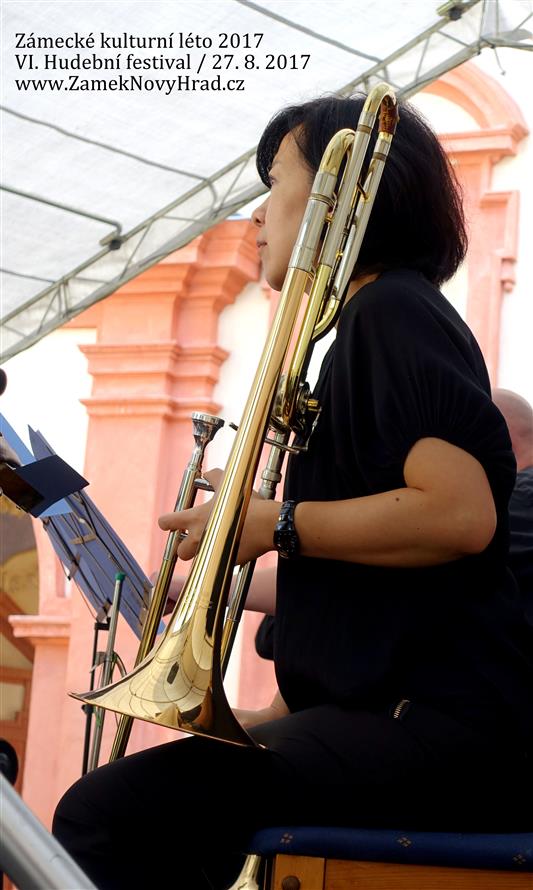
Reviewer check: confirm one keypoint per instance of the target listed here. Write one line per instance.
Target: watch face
(285, 536)
(286, 544)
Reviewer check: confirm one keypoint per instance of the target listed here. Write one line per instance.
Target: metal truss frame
(216, 198)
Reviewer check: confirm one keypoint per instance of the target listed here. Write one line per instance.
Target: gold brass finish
(205, 427)
(179, 684)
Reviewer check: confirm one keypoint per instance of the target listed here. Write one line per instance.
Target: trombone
(179, 684)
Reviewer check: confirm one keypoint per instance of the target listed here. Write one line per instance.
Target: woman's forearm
(399, 528)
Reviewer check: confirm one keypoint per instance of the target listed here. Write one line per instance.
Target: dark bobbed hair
(417, 221)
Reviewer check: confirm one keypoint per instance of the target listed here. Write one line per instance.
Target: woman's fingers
(192, 522)
(214, 476)
(182, 519)
(257, 533)
(171, 522)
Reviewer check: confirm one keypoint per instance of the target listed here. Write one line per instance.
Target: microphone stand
(107, 660)
(91, 752)
(89, 709)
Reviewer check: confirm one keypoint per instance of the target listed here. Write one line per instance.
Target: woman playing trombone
(404, 665)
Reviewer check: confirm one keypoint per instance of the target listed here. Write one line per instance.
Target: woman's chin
(274, 281)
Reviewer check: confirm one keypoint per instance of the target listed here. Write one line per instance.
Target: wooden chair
(311, 858)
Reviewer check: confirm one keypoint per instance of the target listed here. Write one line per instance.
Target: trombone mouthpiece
(205, 427)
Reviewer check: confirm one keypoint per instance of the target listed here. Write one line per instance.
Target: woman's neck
(358, 283)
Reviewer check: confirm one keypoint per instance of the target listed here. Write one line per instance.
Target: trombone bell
(179, 684)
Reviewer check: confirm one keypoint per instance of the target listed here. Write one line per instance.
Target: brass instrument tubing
(271, 476)
(180, 683)
(205, 427)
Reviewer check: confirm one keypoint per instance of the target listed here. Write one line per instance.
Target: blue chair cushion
(489, 851)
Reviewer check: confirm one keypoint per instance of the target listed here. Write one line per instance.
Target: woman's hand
(258, 532)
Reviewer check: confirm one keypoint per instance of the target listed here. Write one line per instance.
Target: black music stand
(38, 484)
(88, 547)
(93, 554)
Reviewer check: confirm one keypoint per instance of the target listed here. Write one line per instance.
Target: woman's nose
(258, 214)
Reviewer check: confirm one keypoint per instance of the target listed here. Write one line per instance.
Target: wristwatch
(285, 536)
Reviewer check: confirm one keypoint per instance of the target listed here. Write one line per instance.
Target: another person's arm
(261, 596)
(274, 711)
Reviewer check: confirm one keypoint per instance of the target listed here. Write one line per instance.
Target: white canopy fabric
(129, 128)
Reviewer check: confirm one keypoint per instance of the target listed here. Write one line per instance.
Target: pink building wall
(155, 360)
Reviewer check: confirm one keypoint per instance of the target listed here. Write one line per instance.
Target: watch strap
(285, 535)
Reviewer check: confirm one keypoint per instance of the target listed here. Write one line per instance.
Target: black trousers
(180, 815)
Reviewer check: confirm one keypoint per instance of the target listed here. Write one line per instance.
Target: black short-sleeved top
(404, 366)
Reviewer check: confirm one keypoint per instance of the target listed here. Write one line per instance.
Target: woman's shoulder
(398, 289)
(400, 298)
(402, 319)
